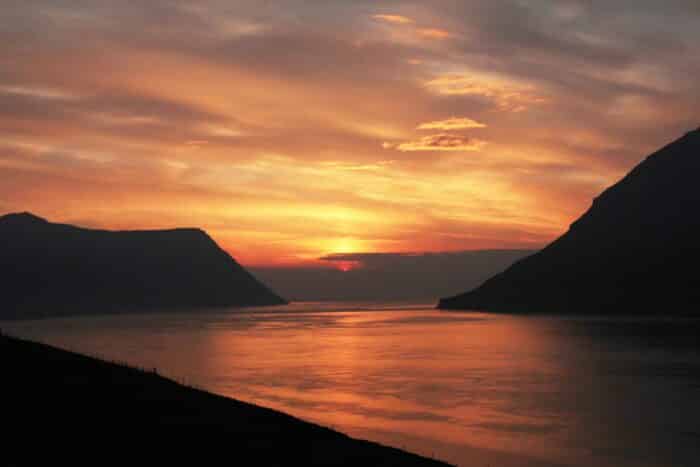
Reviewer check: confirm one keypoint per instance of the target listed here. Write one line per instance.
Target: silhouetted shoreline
(82, 403)
(53, 270)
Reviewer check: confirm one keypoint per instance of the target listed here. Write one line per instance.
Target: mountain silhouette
(635, 250)
(58, 269)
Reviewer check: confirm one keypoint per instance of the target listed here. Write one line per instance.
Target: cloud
(37, 92)
(386, 259)
(507, 96)
(433, 33)
(454, 123)
(376, 166)
(439, 142)
(394, 19)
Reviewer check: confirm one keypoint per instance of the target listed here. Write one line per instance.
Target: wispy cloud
(508, 96)
(37, 92)
(454, 123)
(439, 142)
(377, 166)
(394, 19)
(433, 33)
(416, 30)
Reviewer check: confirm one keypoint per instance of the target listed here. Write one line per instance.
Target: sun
(345, 246)
(347, 266)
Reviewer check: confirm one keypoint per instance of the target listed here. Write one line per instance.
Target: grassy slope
(68, 409)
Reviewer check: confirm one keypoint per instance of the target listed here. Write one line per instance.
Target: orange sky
(293, 130)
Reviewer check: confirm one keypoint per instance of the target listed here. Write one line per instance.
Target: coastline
(57, 396)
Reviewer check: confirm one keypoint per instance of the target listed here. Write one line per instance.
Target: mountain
(635, 250)
(52, 269)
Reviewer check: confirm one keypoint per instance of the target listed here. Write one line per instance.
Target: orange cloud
(440, 142)
(394, 19)
(433, 33)
(508, 96)
(37, 92)
(451, 124)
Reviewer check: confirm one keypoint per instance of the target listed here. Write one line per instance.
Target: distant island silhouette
(636, 250)
(53, 270)
(418, 277)
(76, 410)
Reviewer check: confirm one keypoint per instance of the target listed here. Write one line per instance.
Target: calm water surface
(470, 388)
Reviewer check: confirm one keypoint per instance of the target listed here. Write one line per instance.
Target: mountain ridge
(58, 269)
(627, 253)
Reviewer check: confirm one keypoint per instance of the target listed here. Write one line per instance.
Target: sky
(296, 130)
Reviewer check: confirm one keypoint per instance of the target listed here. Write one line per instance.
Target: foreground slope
(76, 410)
(636, 250)
(52, 269)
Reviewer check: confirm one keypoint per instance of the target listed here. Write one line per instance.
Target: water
(473, 389)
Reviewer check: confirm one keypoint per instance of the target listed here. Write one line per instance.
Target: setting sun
(346, 266)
